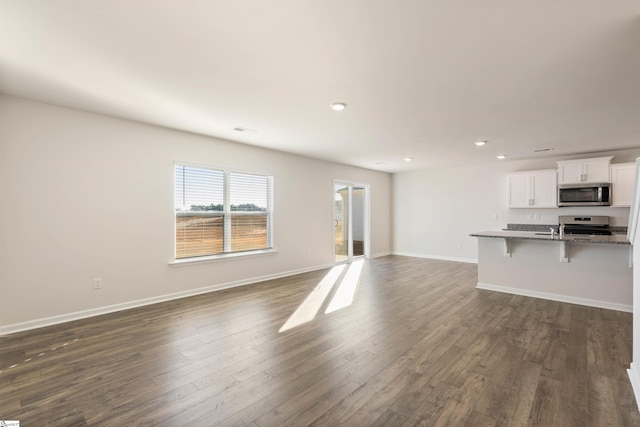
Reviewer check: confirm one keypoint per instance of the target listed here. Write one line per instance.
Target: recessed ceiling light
(501, 156)
(338, 106)
(480, 143)
(408, 159)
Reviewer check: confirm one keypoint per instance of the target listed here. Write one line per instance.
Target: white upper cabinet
(622, 177)
(584, 170)
(519, 190)
(545, 189)
(532, 189)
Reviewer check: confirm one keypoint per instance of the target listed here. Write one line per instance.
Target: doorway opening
(350, 221)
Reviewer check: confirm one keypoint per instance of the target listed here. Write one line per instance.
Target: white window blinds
(221, 212)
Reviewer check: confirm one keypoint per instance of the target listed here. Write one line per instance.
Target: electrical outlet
(97, 283)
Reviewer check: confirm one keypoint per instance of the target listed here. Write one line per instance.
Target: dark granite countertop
(615, 239)
(616, 229)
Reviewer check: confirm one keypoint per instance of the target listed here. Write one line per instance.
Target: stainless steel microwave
(584, 194)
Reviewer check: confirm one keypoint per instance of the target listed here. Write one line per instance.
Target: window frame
(227, 215)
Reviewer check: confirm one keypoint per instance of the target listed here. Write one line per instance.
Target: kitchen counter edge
(615, 239)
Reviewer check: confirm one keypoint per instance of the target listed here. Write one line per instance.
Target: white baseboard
(634, 377)
(62, 318)
(381, 254)
(557, 297)
(443, 258)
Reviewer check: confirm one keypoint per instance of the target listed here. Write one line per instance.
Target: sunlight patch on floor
(347, 289)
(343, 296)
(307, 311)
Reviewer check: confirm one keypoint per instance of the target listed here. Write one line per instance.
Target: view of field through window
(212, 220)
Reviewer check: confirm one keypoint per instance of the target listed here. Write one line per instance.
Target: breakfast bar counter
(615, 239)
(593, 270)
(563, 249)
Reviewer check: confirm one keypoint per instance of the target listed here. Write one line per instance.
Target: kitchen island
(587, 270)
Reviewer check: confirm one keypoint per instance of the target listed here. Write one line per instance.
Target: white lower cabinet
(622, 180)
(532, 189)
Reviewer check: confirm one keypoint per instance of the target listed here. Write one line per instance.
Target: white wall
(634, 237)
(435, 210)
(634, 368)
(87, 196)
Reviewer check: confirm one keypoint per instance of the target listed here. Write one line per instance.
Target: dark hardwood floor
(418, 346)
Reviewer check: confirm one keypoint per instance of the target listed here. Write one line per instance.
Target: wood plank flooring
(419, 346)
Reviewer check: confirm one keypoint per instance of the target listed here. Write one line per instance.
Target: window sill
(215, 258)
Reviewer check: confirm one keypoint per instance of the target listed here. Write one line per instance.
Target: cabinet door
(519, 190)
(584, 170)
(570, 172)
(622, 181)
(596, 170)
(544, 189)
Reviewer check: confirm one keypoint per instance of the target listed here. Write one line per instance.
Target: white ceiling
(421, 78)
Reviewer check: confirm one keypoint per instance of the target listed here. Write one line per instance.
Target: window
(220, 212)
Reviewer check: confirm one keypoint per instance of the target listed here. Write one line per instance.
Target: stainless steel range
(584, 224)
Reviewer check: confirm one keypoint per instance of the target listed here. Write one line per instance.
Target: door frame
(366, 220)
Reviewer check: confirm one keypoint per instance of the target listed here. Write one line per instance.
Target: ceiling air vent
(241, 129)
(542, 150)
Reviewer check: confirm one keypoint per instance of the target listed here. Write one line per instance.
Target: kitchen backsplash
(617, 216)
